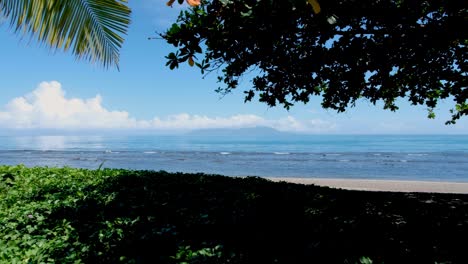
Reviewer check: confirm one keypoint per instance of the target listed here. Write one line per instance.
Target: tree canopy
(341, 50)
(92, 29)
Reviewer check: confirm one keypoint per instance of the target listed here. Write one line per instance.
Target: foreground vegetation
(65, 215)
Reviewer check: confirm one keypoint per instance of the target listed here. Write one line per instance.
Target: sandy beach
(383, 185)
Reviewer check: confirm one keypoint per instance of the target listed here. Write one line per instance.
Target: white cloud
(289, 123)
(47, 107)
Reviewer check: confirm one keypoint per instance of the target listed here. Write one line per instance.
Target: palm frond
(92, 29)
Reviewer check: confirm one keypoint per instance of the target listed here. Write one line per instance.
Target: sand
(384, 185)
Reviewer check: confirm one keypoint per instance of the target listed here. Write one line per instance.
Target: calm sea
(434, 158)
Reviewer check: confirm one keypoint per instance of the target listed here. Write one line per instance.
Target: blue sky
(44, 89)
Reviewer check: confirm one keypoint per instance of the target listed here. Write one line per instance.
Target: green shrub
(67, 215)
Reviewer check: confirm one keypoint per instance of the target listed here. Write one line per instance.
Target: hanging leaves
(315, 6)
(380, 51)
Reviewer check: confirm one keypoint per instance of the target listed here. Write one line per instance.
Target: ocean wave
(344, 160)
(403, 160)
(225, 153)
(150, 152)
(333, 154)
(110, 151)
(418, 154)
(85, 159)
(281, 153)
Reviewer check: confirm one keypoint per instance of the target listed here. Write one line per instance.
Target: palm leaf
(92, 29)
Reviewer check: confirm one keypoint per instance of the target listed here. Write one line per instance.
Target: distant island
(244, 132)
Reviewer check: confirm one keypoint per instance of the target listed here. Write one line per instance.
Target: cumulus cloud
(47, 107)
(288, 124)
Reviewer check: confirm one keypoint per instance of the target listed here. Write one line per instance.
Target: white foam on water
(225, 153)
(403, 161)
(281, 153)
(150, 152)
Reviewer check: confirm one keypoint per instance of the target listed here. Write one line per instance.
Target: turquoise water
(433, 158)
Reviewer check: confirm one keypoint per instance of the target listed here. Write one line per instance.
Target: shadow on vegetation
(159, 217)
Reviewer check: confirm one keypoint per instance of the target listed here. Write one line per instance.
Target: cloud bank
(47, 107)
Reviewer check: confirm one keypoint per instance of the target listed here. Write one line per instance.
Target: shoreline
(382, 185)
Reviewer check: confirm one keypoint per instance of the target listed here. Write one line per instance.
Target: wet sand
(383, 185)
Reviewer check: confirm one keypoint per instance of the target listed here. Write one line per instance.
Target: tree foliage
(92, 29)
(343, 51)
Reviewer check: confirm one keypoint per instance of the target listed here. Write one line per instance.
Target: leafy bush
(66, 215)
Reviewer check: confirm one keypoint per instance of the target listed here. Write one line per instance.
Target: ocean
(396, 157)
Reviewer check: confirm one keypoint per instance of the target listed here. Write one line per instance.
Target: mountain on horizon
(247, 132)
